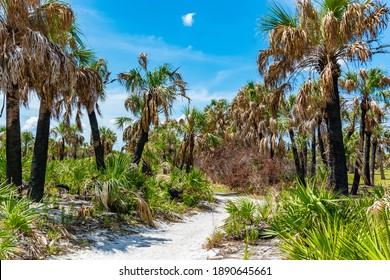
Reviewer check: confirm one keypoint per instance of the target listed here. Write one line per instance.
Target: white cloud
(30, 124)
(188, 19)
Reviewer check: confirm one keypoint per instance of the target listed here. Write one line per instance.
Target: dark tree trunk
(358, 164)
(62, 149)
(272, 152)
(190, 163)
(367, 150)
(380, 162)
(304, 158)
(313, 154)
(338, 164)
(13, 140)
(298, 167)
(373, 158)
(75, 152)
(321, 145)
(39, 160)
(143, 139)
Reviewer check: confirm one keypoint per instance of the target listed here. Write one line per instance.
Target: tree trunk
(298, 168)
(96, 141)
(62, 149)
(338, 164)
(380, 161)
(358, 164)
(143, 139)
(190, 163)
(373, 158)
(39, 160)
(367, 149)
(321, 145)
(272, 152)
(313, 154)
(13, 140)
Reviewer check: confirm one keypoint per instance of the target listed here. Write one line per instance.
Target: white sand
(174, 241)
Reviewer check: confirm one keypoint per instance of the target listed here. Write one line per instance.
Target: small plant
(215, 240)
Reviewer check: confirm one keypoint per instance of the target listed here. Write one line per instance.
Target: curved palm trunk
(39, 160)
(143, 139)
(96, 141)
(338, 164)
(13, 140)
(367, 150)
(298, 168)
(373, 158)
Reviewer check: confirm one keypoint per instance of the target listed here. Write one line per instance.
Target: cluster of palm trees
(315, 40)
(42, 54)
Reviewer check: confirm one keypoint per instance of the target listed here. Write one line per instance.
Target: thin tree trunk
(380, 161)
(190, 162)
(367, 149)
(321, 145)
(96, 141)
(358, 164)
(373, 158)
(13, 140)
(313, 154)
(39, 160)
(305, 161)
(272, 152)
(298, 168)
(62, 149)
(338, 165)
(143, 139)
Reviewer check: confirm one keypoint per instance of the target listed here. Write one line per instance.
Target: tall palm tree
(318, 37)
(28, 60)
(158, 89)
(370, 84)
(56, 21)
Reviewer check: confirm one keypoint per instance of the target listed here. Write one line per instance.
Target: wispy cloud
(30, 124)
(188, 19)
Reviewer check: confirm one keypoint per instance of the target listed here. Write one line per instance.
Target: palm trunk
(338, 164)
(313, 154)
(143, 139)
(96, 141)
(321, 145)
(367, 149)
(380, 161)
(13, 140)
(272, 152)
(300, 173)
(39, 160)
(373, 158)
(62, 149)
(190, 162)
(358, 164)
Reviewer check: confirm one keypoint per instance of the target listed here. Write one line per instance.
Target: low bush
(245, 169)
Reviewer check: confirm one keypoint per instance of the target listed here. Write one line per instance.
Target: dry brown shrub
(245, 169)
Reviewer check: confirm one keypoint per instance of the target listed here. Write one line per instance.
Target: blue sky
(215, 44)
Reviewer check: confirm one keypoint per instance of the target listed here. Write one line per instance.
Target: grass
(377, 178)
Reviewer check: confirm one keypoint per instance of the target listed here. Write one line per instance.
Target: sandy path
(174, 241)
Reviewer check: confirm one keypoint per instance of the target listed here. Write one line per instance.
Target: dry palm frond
(327, 86)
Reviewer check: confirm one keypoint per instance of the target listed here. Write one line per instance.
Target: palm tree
(108, 139)
(56, 21)
(61, 131)
(27, 140)
(29, 61)
(155, 90)
(318, 38)
(370, 84)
